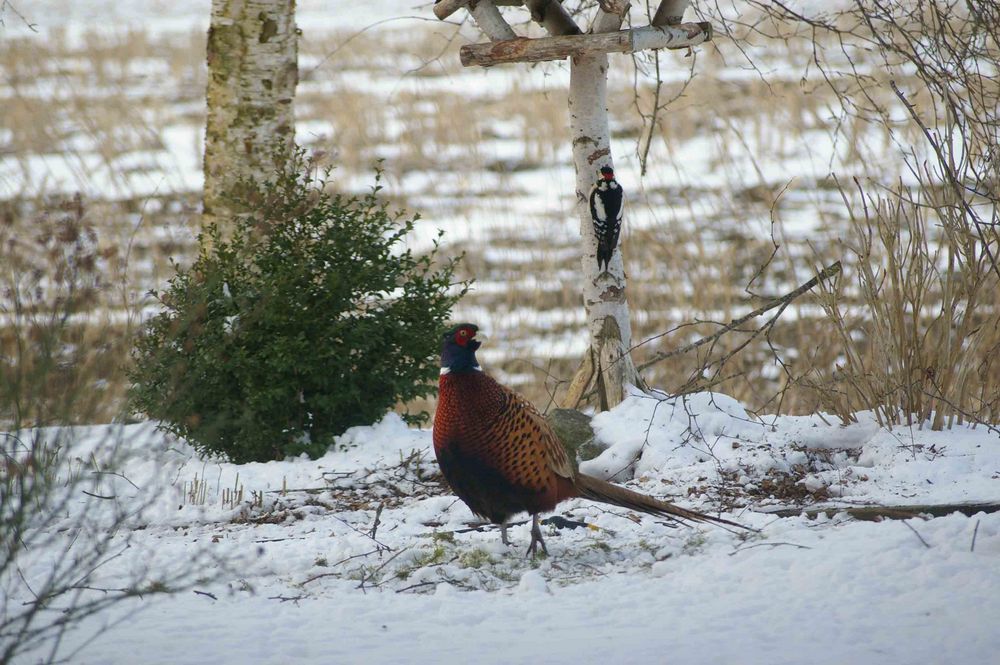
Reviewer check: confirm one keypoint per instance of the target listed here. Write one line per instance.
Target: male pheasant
(501, 457)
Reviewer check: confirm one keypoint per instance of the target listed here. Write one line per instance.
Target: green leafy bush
(301, 319)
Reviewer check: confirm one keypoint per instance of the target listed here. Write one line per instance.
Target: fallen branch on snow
(876, 513)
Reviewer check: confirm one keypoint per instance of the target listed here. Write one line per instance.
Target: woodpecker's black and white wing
(597, 211)
(619, 211)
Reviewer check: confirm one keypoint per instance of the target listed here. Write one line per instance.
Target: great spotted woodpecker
(607, 201)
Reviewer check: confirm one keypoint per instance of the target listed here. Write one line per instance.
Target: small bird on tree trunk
(501, 457)
(607, 202)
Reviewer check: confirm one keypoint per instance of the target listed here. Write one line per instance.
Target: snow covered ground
(363, 556)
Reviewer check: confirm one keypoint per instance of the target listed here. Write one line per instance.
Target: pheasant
(501, 457)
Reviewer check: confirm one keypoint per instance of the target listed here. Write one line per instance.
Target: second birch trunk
(252, 74)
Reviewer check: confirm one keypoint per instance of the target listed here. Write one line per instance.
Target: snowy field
(364, 557)
(107, 99)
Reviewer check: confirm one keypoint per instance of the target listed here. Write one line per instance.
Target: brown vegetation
(908, 329)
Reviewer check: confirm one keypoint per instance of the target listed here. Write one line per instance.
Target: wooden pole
(544, 49)
(489, 20)
(670, 12)
(445, 8)
(551, 15)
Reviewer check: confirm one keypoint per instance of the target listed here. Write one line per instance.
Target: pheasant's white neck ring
(447, 370)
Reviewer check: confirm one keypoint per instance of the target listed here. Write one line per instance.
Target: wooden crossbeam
(558, 48)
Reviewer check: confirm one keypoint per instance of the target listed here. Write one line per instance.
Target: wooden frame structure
(607, 369)
(566, 39)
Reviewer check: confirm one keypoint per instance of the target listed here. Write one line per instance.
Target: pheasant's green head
(458, 349)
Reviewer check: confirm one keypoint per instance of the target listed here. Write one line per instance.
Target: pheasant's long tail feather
(596, 489)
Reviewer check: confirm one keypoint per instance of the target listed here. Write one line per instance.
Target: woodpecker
(607, 201)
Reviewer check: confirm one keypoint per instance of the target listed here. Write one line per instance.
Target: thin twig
(917, 533)
(345, 560)
(740, 549)
(120, 475)
(366, 534)
(371, 576)
(377, 521)
(98, 496)
(7, 5)
(309, 73)
(416, 586)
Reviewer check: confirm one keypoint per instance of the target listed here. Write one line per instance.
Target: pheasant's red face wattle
(458, 349)
(464, 335)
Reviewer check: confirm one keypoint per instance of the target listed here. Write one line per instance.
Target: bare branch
(876, 513)
(783, 301)
(7, 5)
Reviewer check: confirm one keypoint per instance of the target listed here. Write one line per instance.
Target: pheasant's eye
(463, 333)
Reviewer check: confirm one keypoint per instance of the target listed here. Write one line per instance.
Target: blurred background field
(738, 192)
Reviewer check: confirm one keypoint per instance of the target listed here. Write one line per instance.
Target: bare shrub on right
(924, 341)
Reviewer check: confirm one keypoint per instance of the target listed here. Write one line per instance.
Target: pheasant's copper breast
(481, 424)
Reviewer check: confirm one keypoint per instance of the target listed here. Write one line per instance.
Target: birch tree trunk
(607, 367)
(252, 74)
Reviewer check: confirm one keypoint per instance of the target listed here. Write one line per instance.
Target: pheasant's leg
(536, 538)
(503, 534)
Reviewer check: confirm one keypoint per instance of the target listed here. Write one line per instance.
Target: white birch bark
(670, 12)
(252, 74)
(608, 367)
(490, 21)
